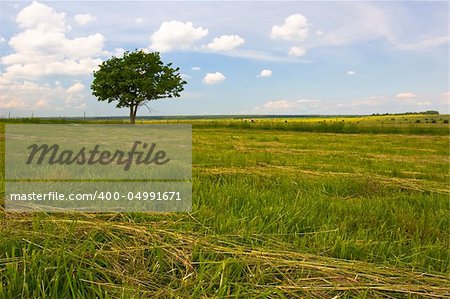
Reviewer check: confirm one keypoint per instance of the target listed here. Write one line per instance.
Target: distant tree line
(433, 112)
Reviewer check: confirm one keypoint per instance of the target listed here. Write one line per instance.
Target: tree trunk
(132, 114)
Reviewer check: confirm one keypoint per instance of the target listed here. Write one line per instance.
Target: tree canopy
(135, 79)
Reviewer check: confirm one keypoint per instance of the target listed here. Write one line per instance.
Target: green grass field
(282, 208)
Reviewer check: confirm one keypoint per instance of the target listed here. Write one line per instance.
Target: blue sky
(237, 57)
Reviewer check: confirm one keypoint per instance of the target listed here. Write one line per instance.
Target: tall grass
(277, 213)
(329, 127)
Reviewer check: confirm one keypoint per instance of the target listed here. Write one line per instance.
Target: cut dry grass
(209, 264)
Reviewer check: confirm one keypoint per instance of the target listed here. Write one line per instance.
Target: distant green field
(282, 207)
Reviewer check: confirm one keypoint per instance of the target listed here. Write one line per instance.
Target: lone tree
(135, 79)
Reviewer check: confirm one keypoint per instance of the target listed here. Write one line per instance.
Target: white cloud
(297, 51)
(424, 103)
(41, 17)
(277, 105)
(42, 103)
(371, 101)
(12, 103)
(260, 55)
(265, 73)
(118, 52)
(176, 35)
(74, 96)
(225, 43)
(76, 88)
(42, 48)
(30, 95)
(367, 21)
(213, 78)
(295, 28)
(406, 95)
(2, 39)
(139, 20)
(286, 105)
(34, 70)
(445, 98)
(351, 73)
(422, 44)
(319, 32)
(196, 68)
(84, 19)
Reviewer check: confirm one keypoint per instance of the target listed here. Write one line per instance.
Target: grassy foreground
(278, 212)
